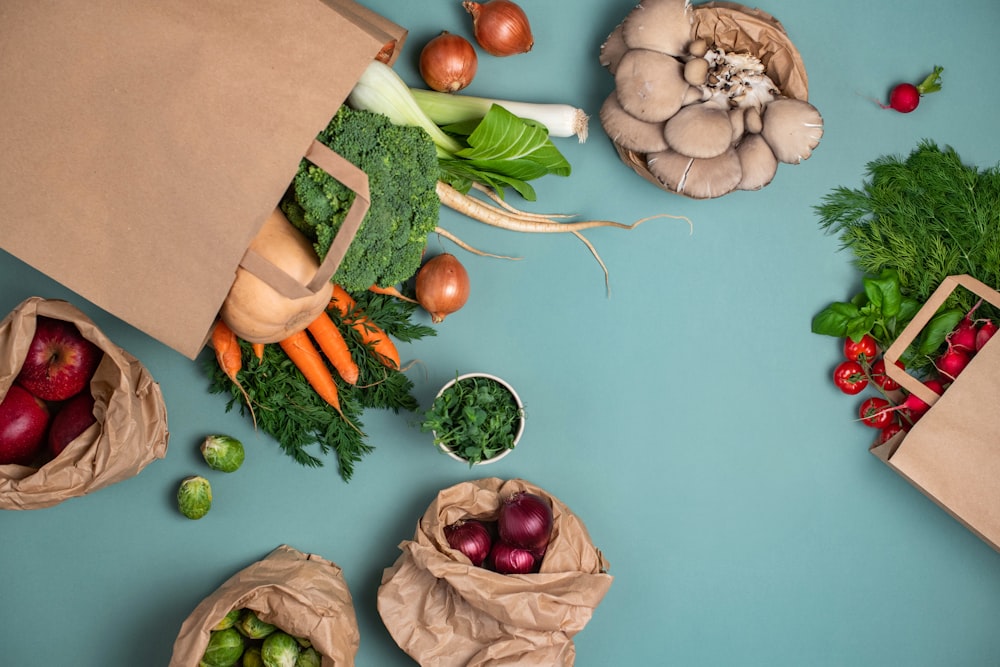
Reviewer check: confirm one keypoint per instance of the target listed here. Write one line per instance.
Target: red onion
(471, 537)
(525, 521)
(508, 559)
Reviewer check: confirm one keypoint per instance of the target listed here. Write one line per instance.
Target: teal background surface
(688, 418)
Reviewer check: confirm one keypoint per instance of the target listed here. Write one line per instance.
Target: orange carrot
(308, 360)
(391, 291)
(258, 351)
(371, 334)
(332, 343)
(230, 358)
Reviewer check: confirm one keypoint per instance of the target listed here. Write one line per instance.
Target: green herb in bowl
(477, 418)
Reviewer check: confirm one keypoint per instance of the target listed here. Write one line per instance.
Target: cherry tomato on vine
(862, 350)
(850, 377)
(880, 377)
(874, 412)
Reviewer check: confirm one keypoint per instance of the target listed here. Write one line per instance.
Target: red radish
(964, 335)
(984, 333)
(953, 362)
(905, 97)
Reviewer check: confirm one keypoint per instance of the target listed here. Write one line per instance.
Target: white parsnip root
(501, 214)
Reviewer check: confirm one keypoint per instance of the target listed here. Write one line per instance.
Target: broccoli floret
(402, 167)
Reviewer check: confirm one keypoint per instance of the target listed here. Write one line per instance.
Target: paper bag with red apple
(77, 412)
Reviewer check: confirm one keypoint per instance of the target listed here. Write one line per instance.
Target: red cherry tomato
(862, 350)
(850, 377)
(874, 412)
(880, 377)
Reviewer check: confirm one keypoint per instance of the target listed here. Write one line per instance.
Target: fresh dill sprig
(927, 216)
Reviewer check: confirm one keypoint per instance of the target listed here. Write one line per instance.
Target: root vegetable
(334, 347)
(371, 334)
(501, 27)
(905, 97)
(448, 62)
(310, 363)
(442, 286)
(984, 333)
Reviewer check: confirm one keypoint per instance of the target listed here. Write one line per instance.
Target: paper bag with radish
(537, 582)
(952, 453)
(286, 604)
(79, 412)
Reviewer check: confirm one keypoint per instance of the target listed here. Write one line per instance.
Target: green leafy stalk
(932, 83)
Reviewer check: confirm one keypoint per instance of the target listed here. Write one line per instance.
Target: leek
(561, 120)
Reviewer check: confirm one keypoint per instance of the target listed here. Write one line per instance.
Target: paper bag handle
(917, 324)
(354, 179)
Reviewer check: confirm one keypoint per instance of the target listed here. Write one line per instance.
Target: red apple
(23, 420)
(72, 419)
(60, 361)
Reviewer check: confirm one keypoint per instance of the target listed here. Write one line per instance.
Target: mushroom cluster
(700, 119)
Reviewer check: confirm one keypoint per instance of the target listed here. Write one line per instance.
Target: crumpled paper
(445, 612)
(131, 429)
(303, 594)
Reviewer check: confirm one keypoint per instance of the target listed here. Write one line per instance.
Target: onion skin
(448, 63)
(525, 521)
(442, 286)
(509, 559)
(501, 27)
(472, 538)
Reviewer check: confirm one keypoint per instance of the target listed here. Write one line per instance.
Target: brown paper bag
(131, 429)
(145, 143)
(952, 454)
(303, 594)
(444, 611)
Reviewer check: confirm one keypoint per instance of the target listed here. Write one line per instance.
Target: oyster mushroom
(700, 130)
(628, 131)
(650, 85)
(792, 128)
(660, 25)
(699, 178)
(757, 162)
(752, 121)
(613, 49)
(737, 118)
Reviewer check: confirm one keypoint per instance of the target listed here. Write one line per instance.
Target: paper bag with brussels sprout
(444, 610)
(84, 425)
(289, 606)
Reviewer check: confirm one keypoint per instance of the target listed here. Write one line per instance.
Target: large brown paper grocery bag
(145, 143)
(303, 594)
(445, 612)
(131, 418)
(952, 454)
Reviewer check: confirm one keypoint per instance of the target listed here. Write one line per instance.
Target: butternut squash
(260, 313)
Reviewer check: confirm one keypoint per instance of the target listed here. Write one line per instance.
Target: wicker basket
(736, 28)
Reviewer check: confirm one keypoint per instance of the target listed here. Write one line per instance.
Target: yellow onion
(501, 27)
(442, 286)
(448, 63)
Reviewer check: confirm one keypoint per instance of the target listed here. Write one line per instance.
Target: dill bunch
(927, 216)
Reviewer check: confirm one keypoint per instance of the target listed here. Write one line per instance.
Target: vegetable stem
(561, 120)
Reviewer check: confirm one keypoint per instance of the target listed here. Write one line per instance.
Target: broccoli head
(402, 167)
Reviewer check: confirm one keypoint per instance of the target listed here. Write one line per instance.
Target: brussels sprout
(228, 620)
(251, 657)
(304, 642)
(251, 626)
(309, 658)
(194, 497)
(224, 649)
(222, 453)
(279, 650)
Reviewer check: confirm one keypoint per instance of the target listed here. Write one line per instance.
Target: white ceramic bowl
(517, 435)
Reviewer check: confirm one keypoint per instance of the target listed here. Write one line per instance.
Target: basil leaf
(833, 320)
(937, 329)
